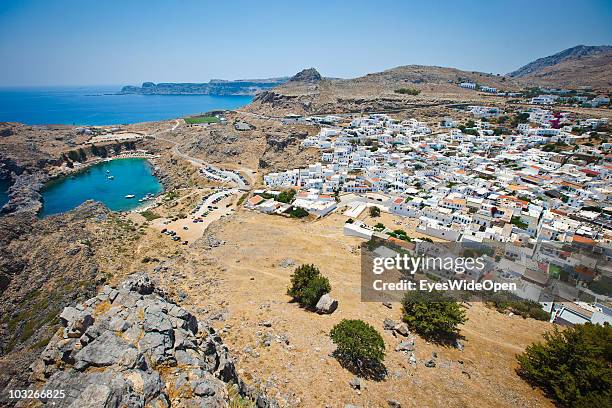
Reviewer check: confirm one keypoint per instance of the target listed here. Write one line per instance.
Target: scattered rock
(458, 345)
(402, 328)
(430, 364)
(355, 383)
(393, 403)
(412, 360)
(405, 345)
(327, 304)
(389, 324)
(242, 126)
(286, 263)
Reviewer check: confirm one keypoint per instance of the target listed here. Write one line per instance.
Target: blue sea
(130, 176)
(4, 186)
(96, 105)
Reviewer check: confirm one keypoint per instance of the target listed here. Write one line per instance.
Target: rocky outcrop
(24, 194)
(132, 347)
(309, 75)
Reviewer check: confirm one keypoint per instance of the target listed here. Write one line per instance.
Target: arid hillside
(374, 92)
(588, 66)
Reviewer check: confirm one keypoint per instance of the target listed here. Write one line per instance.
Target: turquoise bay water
(131, 176)
(97, 106)
(4, 186)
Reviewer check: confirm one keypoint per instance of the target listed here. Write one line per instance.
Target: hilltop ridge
(574, 53)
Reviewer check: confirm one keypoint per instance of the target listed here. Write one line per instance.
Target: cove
(108, 182)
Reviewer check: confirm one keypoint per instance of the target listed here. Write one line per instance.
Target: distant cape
(213, 87)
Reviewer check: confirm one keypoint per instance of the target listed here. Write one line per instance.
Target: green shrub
(573, 366)
(308, 285)
(407, 91)
(433, 315)
(400, 234)
(317, 287)
(359, 347)
(374, 211)
(286, 196)
(298, 212)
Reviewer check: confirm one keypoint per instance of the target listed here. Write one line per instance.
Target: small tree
(432, 315)
(360, 347)
(374, 211)
(317, 287)
(308, 285)
(286, 196)
(573, 366)
(298, 212)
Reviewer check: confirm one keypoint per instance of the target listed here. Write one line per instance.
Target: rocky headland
(216, 87)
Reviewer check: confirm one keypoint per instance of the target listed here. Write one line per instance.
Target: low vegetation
(517, 222)
(505, 302)
(286, 196)
(298, 212)
(573, 366)
(359, 348)
(434, 315)
(374, 211)
(407, 91)
(308, 285)
(400, 234)
(150, 215)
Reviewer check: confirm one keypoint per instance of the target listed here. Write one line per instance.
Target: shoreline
(31, 199)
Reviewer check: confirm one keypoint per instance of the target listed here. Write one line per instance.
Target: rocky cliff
(131, 347)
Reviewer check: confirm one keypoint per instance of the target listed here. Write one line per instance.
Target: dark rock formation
(309, 75)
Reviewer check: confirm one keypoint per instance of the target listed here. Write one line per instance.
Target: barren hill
(577, 66)
(377, 91)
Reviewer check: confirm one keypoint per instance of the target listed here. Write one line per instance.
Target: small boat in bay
(130, 196)
(110, 177)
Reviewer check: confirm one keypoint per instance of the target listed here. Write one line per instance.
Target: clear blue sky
(59, 42)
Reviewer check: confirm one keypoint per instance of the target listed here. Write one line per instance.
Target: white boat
(110, 177)
(130, 196)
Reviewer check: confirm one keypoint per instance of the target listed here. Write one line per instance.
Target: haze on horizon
(68, 42)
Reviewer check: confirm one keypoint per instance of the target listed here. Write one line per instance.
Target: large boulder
(326, 304)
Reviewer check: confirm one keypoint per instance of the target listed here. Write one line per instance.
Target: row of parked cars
(210, 208)
(173, 235)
